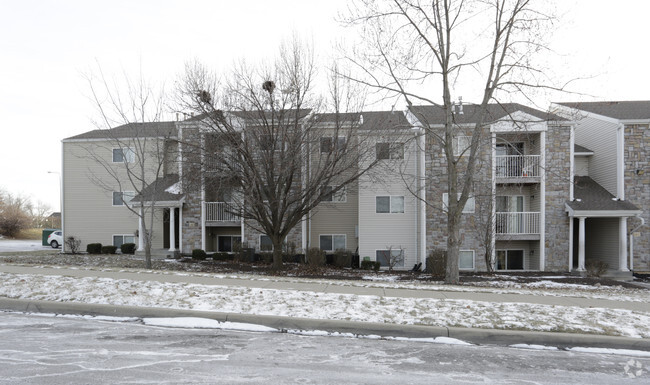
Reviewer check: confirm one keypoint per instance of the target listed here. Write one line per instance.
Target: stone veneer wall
(472, 223)
(252, 237)
(558, 179)
(191, 226)
(637, 188)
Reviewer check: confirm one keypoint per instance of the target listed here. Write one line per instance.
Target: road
(11, 245)
(37, 349)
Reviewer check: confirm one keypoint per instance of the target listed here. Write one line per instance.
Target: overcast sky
(48, 46)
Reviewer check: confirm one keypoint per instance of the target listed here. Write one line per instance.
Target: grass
(30, 234)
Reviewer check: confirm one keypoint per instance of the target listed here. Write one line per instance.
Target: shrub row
(98, 248)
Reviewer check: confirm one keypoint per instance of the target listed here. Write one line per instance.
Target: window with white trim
(385, 257)
(389, 150)
(328, 144)
(119, 240)
(120, 198)
(460, 144)
(389, 204)
(265, 243)
(340, 196)
(466, 260)
(121, 155)
(332, 242)
(469, 205)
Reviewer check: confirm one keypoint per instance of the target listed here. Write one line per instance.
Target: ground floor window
(510, 259)
(332, 242)
(119, 240)
(228, 243)
(466, 260)
(394, 256)
(265, 243)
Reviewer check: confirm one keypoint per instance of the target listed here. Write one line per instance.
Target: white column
(172, 229)
(581, 244)
(203, 224)
(141, 230)
(570, 244)
(622, 244)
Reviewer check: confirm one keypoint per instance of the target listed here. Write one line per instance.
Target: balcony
(517, 168)
(221, 213)
(517, 225)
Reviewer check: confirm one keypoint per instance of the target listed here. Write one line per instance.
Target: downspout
(620, 162)
(632, 240)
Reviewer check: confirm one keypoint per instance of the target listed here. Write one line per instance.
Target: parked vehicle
(55, 239)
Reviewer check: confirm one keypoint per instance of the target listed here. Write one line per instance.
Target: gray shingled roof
(594, 197)
(436, 115)
(624, 110)
(377, 120)
(131, 130)
(156, 191)
(579, 148)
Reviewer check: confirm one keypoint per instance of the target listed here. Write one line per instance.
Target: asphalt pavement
(479, 336)
(11, 245)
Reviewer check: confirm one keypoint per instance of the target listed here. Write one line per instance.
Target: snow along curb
(281, 323)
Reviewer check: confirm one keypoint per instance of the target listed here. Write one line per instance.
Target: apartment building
(524, 209)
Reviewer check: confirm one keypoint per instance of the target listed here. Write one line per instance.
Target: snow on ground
(367, 308)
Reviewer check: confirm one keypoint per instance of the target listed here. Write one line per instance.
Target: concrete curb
(475, 336)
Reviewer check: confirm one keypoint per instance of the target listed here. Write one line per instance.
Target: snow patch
(174, 189)
(621, 352)
(205, 323)
(533, 347)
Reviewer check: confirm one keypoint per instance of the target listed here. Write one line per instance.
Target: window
(461, 144)
(339, 196)
(265, 243)
(510, 259)
(327, 144)
(228, 243)
(121, 155)
(389, 150)
(119, 240)
(120, 198)
(469, 205)
(466, 260)
(385, 257)
(332, 242)
(389, 204)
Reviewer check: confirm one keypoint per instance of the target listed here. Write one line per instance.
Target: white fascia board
(178, 203)
(109, 139)
(570, 111)
(589, 153)
(635, 121)
(519, 121)
(601, 213)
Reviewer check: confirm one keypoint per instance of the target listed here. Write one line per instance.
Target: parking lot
(10, 245)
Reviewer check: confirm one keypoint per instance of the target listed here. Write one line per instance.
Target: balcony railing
(221, 212)
(517, 223)
(517, 166)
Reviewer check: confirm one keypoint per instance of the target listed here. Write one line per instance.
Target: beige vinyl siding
(89, 213)
(601, 243)
(600, 137)
(337, 218)
(581, 164)
(381, 231)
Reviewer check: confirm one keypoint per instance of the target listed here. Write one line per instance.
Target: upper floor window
(469, 205)
(389, 204)
(120, 198)
(461, 144)
(328, 196)
(389, 150)
(121, 155)
(328, 144)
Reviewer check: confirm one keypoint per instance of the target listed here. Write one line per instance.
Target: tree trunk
(147, 254)
(277, 254)
(453, 250)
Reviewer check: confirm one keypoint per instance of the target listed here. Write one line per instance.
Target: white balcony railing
(517, 166)
(220, 212)
(517, 223)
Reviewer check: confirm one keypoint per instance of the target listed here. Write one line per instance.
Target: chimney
(460, 105)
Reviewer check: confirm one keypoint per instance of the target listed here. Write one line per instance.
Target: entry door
(511, 166)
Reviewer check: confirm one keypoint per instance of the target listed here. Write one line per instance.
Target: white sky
(47, 46)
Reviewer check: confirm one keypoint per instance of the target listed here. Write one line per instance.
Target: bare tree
(134, 150)
(422, 49)
(14, 213)
(39, 214)
(264, 135)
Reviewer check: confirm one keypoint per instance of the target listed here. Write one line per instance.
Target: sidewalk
(479, 336)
